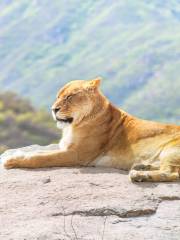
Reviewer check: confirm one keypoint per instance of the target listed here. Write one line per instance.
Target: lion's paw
(11, 161)
(138, 176)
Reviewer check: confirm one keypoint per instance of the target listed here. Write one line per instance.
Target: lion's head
(75, 102)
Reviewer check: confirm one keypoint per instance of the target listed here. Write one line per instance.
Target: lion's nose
(56, 110)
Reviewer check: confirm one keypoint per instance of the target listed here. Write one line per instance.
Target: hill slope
(21, 124)
(133, 44)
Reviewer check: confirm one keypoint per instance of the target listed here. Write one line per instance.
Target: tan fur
(103, 135)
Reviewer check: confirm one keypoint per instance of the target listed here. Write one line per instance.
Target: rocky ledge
(85, 204)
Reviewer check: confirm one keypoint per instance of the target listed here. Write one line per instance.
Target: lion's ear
(95, 83)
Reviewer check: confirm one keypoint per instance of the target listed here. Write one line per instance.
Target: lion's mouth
(65, 120)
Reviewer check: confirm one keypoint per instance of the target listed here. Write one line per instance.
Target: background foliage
(21, 124)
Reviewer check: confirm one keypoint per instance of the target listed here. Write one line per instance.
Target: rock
(46, 180)
(85, 204)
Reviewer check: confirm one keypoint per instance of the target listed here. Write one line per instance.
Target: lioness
(96, 133)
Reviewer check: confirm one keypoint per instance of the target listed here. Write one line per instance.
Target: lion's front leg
(40, 160)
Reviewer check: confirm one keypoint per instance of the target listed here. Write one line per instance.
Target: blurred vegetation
(21, 124)
(133, 44)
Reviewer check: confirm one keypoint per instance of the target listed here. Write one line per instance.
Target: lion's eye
(69, 97)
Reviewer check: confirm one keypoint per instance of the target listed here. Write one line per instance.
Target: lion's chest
(67, 138)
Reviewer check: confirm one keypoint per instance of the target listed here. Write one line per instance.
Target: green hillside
(21, 124)
(134, 45)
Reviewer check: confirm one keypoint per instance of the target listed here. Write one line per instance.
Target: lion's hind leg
(154, 176)
(169, 166)
(146, 166)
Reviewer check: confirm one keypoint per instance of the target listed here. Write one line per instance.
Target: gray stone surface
(85, 204)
